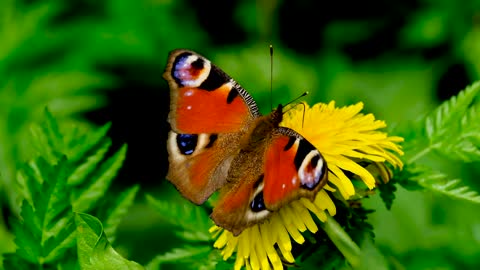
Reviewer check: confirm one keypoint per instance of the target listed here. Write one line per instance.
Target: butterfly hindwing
(293, 167)
(288, 168)
(240, 203)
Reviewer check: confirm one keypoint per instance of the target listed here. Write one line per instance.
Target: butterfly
(219, 141)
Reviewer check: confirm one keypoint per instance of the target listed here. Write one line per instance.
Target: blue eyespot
(258, 204)
(186, 143)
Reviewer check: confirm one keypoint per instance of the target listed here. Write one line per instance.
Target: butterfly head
(276, 116)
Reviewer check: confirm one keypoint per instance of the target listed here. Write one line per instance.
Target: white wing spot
(294, 180)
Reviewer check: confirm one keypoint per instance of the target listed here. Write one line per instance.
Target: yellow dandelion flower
(345, 137)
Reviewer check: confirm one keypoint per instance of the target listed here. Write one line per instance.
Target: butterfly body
(220, 141)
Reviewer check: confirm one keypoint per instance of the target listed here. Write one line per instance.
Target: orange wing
(203, 99)
(290, 168)
(293, 169)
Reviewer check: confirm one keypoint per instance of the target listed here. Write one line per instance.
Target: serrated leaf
(57, 245)
(53, 136)
(192, 220)
(89, 164)
(27, 234)
(43, 234)
(94, 250)
(440, 183)
(79, 146)
(117, 210)
(421, 176)
(47, 230)
(87, 197)
(452, 129)
(387, 193)
(179, 255)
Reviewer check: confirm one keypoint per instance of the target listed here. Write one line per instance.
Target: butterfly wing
(209, 112)
(290, 168)
(294, 168)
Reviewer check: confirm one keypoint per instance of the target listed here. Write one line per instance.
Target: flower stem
(342, 241)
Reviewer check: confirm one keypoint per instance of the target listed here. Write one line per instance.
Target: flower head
(347, 140)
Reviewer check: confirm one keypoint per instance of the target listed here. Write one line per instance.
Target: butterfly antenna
(300, 103)
(271, 77)
(303, 115)
(299, 97)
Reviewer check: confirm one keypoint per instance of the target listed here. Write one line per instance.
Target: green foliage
(45, 234)
(31, 79)
(46, 230)
(192, 229)
(194, 224)
(387, 193)
(94, 250)
(422, 177)
(451, 130)
(190, 257)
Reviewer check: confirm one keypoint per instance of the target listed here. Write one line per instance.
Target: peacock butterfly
(220, 141)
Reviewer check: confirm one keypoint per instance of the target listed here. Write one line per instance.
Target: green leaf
(192, 220)
(387, 193)
(12, 261)
(114, 212)
(44, 232)
(453, 129)
(85, 198)
(94, 250)
(178, 255)
(191, 257)
(79, 147)
(88, 164)
(47, 139)
(413, 177)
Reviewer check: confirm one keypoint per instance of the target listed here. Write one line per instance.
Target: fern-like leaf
(94, 250)
(86, 197)
(453, 129)
(194, 222)
(67, 164)
(44, 232)
(415, 177)
(191, 257)
(113, 213)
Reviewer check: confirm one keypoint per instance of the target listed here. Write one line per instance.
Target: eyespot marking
(190, 70)
(258, 204)
(312, 171)
(187, 143)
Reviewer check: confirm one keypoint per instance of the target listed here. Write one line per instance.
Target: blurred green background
(93, 62)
